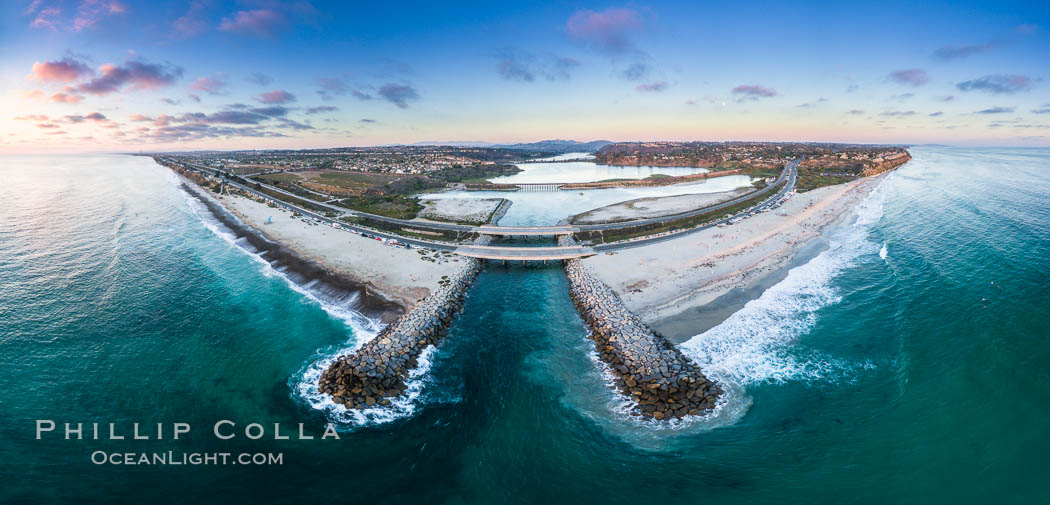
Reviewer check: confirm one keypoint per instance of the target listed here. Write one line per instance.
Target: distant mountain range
(560, 146)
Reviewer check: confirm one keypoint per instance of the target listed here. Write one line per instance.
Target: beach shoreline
(389, 280)
(681, 294)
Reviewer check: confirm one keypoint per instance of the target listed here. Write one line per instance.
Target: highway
(525, 253)
(790, 172)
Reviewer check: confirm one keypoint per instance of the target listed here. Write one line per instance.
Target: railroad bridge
(539, 186)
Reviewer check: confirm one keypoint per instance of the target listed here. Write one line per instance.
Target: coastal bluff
(661, 382)
(378, 370)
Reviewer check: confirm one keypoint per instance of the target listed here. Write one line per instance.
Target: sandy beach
(403, 276)
(670, 283)
(649, 207)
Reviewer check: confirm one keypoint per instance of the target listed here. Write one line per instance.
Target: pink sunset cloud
(277, 96)
(610, 30)
(209, 85)
(65, 70)
(264, 23)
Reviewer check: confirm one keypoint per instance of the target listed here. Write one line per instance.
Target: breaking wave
(755, 344)
(304, 383)
(304, 386)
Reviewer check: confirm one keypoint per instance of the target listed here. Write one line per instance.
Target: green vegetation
(395, 206)
(278, 178)
(292, 200)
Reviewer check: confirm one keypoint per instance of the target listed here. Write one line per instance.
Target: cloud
(955, 52)
(361, 95)
(237, 120)
(855, 112)
(935, 114)
(94, 116)
(87, 14)
(753, 92)
(519, 65)
(45, 18)
(998, 84)
(48, 125)
(170, 101)
(277, 96)
(1044, 110)
(321, 109)
(91, 12)
(852, 87)
(651, 87)
(366, 121)
(31, 117)
(272, 111)
(331, 87)
(195, 98)
(996, 110)
(909, 77)
(902, 96)
(260, 79)
(513, 69)
(946, 98)
(610, 30)
(134, 75)
(65, 70)
(66, 98)
(209, 85)
(898, 113)
(635, 71)
(265, 23)
(192, 23)
(398, 94)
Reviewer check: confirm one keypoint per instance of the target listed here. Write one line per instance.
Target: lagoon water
(562, 171)
(909, 363)
(551, 207)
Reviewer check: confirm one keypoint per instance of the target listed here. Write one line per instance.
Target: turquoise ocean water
(908, 363)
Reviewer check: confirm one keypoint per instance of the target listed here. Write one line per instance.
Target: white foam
(883, 252)
(304, 384)
(305, 388)
(344, 311)
(724, 411)
(754, 345)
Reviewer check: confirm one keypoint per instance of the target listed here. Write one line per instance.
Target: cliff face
(887, 164)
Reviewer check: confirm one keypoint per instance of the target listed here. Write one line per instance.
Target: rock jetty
(662, 383)
(377, 371)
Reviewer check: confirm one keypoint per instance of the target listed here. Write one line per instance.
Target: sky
(122, 75)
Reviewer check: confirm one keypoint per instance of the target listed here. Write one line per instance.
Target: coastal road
(790, 170)
(790, 173)
(525, 253)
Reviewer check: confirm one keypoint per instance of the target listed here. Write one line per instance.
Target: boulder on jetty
(377, 371)
(661, 382)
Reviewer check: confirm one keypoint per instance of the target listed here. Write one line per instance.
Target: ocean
(909, 362)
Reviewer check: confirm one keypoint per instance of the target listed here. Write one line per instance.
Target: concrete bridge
(523, 231)
(524, 253)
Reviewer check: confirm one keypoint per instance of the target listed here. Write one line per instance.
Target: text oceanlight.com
(186, 458)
